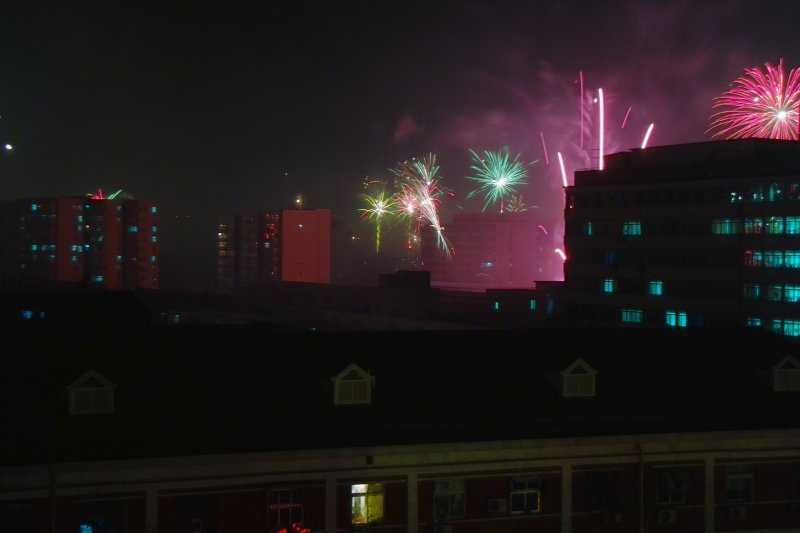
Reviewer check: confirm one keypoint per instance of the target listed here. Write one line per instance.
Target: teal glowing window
(97, 279)
(155, 229)
(774, 192)
(133, 229)
(656, 287)
(588, 229)
(773, 258)
(774, 293)
(791, 293)
(753, 258)
(152, 259)
(34, 247)
(756, 193)
(119, 259)
(80, 218)
(85, 528)
(633, 316)
(632, 227)
(792, 225)
(153, 210)
(791, 259)
(726, 226)
(675, 318)
(532, 305)
(776, 325)
(154, 239)
(754, 225)
(753, 321)
(27, 314)
(609, 285)
(496, 305)
(34, 207)
(791, 328)
(775, 225)
(74, 258)
(751, 291)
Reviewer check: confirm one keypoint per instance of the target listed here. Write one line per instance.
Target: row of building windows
(772, 258)
(774, 225)
(712, 195)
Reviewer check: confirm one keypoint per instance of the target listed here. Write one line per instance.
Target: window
(751, 291)
(526, 496)
(353, 386)
(726, 226)
(632, 227)
(608, 285)
(153, 210)
(283, 509)
(633, 316)
(587, 229)
(675, 318)
(773, 258)
(367, 503)
(791, 328)
(449, 499)
(532, 305)
(792, 225)
(775, 225)
(133, 229)
(656, 287)
(738, 482)
(753, 258)
(791, 259)
(786, 375)
(774, 193)
(91, 394)
(578, 380)
(753, 321)
(754, 225)
(673, 485)
(496, 305)
(774, 293)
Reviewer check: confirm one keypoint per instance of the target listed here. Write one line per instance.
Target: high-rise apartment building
(704, 234)
(493, 250)
(286, 245)
(111, 244)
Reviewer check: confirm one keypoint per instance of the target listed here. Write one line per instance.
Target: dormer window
(353, 386)
(786, 375)
(91, 394)
(578, 380)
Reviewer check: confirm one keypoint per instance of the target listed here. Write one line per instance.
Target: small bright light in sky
(8, 147)
(781, 115)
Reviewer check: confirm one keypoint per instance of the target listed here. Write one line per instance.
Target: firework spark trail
(544, 149)
(580, 74)
(625, 120)
(560, 252)
(378, 207)
(647, 135)
(602, 119)
(563, 172)
(762, 105)
(497, 176)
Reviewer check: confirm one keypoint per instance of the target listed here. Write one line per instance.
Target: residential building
(613, 429)
(704, 234)
(286, 245)
(90, 242)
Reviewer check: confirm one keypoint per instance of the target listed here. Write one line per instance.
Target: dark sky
(208, 107)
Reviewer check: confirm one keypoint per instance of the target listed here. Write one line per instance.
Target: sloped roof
(229, 389)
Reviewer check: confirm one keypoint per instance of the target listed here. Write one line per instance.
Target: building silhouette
(80, 241)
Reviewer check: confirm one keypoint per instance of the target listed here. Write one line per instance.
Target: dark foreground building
(244, 429)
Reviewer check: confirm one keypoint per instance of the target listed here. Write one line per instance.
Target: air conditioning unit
(666, 516)
(610, 518)
(443, 528)
(497, 505)
(737, 513)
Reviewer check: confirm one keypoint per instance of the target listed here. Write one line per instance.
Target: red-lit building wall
(140, 230)
(306, 245)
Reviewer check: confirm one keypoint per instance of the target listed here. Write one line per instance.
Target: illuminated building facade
(493, 250)
(704, 234)
(111, 244)
(286, 245)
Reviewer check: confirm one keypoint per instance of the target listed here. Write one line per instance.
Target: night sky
(213, 107)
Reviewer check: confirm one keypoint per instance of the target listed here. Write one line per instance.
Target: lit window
(753, 321)
(739, 482)
(133, 229)
(496, 305)
(34, 247)
(754, 225)
(608, 285)
(98, 279)
(773, 258)
(152, 259)
(775, 225)
(85, 528)
(726, 226)
(775, 193)
(791, 328)
(791, 293)
(632, 316)
(74, 258)
(34, 207)
(753, 258)
(774, 293)
(587, 229)
(366, 503)
(154, 239)
(632, 227)
(449, 499)
(793, 225)
(670, 318)
(153, 210)
(155, 230)
(526, 496)
(119, 259)
(656, 287)
(532, 305)
(791, 259)
(751, 291)
(27, 315)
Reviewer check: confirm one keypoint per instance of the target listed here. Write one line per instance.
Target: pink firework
(761, 104)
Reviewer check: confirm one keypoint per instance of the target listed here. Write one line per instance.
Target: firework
(647, 135)
(560, 252)
(421, 194)
(602, 119)
(379, 207)
(625, 120)
(516, 205)
(497, 175)
(544, 149)
(760, 104)
(563, 172)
